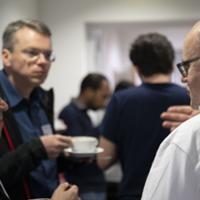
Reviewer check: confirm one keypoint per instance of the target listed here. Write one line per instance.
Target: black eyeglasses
(184, 66)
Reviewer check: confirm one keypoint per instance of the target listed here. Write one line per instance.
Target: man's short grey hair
(8, 38)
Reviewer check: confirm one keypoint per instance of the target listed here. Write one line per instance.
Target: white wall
(67, 19)
(109, 45)
(16, 9)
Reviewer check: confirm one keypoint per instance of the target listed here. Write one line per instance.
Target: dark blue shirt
(32, 122)
(132, 122)
(88, 177)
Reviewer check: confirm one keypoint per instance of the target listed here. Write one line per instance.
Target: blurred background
(95, 35)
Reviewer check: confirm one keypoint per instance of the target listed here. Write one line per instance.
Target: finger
(3, 105)
(64, 139)
(175, 117)
(62, 145)
(180, 109)
(73, 192)
(64, 186)
(170, 125)
(73, 188)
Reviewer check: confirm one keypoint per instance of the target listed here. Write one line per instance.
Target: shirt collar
(80, 105)
(13, 97)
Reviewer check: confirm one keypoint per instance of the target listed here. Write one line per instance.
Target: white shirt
(175, 172)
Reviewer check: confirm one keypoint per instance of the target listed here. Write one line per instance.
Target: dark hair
(93, 81)
(152, 53)
(8, 38)
(123, 85)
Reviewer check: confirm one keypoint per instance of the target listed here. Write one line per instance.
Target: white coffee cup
(84, 144)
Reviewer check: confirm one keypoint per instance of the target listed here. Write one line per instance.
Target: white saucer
(89, 154)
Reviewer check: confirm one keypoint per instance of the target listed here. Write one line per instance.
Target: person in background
(94, 94)
(27, 57)
(123, 84)
(132, 128)
(174, 174)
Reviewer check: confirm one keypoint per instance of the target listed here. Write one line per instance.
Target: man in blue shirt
(132, 128)
(27, 57)
(10, 167)
(94, 94)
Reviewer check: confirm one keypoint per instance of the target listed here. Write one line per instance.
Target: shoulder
(178, 88)
(129, 93)
(69, 109)
(189, 131)
(186, 138)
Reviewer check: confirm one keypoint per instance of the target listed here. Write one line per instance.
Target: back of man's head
(8, 38)
(123, 84)
(92, 81)
(152, 53)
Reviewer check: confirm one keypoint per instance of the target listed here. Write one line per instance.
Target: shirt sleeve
(172, 177)
(110, 122)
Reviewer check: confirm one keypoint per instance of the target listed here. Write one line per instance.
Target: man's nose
(42, 59)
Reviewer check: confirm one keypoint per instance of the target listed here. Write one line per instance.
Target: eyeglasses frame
(184, 66)
(36, 57)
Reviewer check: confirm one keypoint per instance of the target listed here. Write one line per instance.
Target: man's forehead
(29, 37)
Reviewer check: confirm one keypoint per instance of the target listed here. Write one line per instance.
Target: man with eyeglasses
(27, 57)
(175, 173)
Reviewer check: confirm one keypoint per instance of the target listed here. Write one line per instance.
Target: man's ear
(6, 57)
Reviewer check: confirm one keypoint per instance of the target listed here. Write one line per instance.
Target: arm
(109, 138)
(21, 161)
(175, 115)
(16, 164)
(109, 156)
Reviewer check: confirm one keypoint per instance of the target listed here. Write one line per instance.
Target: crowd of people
(135, 130)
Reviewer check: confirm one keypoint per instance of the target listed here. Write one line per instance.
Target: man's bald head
(192, 43)
(191, 56)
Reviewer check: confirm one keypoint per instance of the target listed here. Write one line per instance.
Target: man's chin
(37, 82)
